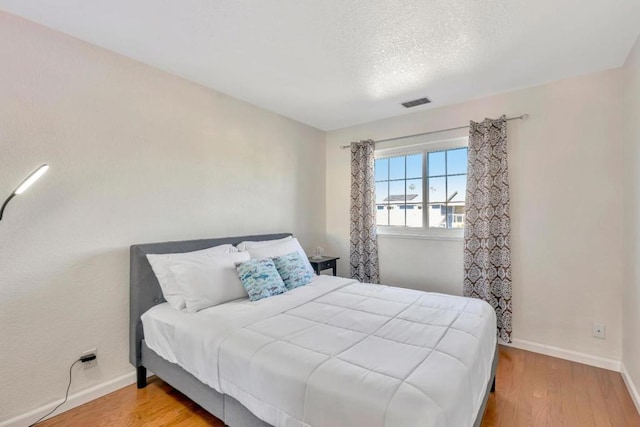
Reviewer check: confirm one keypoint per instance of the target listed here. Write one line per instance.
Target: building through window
(424, 189)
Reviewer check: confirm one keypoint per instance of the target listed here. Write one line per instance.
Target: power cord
(66, 395)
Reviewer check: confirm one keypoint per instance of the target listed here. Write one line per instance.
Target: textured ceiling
(335, 63)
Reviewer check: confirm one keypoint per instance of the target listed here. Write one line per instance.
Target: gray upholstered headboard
(144, 289)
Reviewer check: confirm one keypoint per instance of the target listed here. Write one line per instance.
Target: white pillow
(160, 264)
(211, 280)
(278, 249)
(250, 244)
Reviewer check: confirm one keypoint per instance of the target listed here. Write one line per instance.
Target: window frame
(424, 232)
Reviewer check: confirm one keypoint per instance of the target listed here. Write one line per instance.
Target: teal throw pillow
(293, 270)
(260, 278)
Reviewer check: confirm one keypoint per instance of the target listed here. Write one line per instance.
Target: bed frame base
(222, 406)
(491, 387)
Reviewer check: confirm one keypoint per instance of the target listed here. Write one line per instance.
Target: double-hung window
(421, 189)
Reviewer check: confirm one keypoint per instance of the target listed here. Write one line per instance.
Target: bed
(334, 352)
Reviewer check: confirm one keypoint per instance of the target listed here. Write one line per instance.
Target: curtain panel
(363, 255)
(487, 253)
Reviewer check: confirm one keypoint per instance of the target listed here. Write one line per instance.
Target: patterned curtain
(487, 254)
(364, 238)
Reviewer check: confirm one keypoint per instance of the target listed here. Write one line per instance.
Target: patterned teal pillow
(293, 270)
(260, 278)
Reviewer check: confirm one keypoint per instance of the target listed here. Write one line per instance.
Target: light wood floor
(531, 390)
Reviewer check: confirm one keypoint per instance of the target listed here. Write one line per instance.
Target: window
(421, 188)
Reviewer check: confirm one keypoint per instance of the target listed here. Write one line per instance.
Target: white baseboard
(633, 391)
(76, 399)
(561, 353)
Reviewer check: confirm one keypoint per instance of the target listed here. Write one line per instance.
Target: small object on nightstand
(324, 263)
(317, 253)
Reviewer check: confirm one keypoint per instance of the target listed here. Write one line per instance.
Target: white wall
(566, 204)
(631, 297)
(137, 155)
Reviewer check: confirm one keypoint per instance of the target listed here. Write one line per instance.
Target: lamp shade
(24, 185)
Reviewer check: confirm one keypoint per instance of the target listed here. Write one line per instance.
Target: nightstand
(324, 263)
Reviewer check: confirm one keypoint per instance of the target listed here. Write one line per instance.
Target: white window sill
(446, 235)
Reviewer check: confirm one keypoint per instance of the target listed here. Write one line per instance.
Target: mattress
(338, 353)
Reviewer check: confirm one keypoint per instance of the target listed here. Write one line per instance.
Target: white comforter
(338, 353)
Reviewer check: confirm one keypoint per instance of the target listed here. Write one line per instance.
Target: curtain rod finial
(525, 116)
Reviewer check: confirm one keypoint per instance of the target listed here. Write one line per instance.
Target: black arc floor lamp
(24, 185)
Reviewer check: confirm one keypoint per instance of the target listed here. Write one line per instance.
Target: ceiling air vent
(416, 102)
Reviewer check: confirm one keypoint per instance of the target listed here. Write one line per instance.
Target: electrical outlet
(599, 330)
(93, 362)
